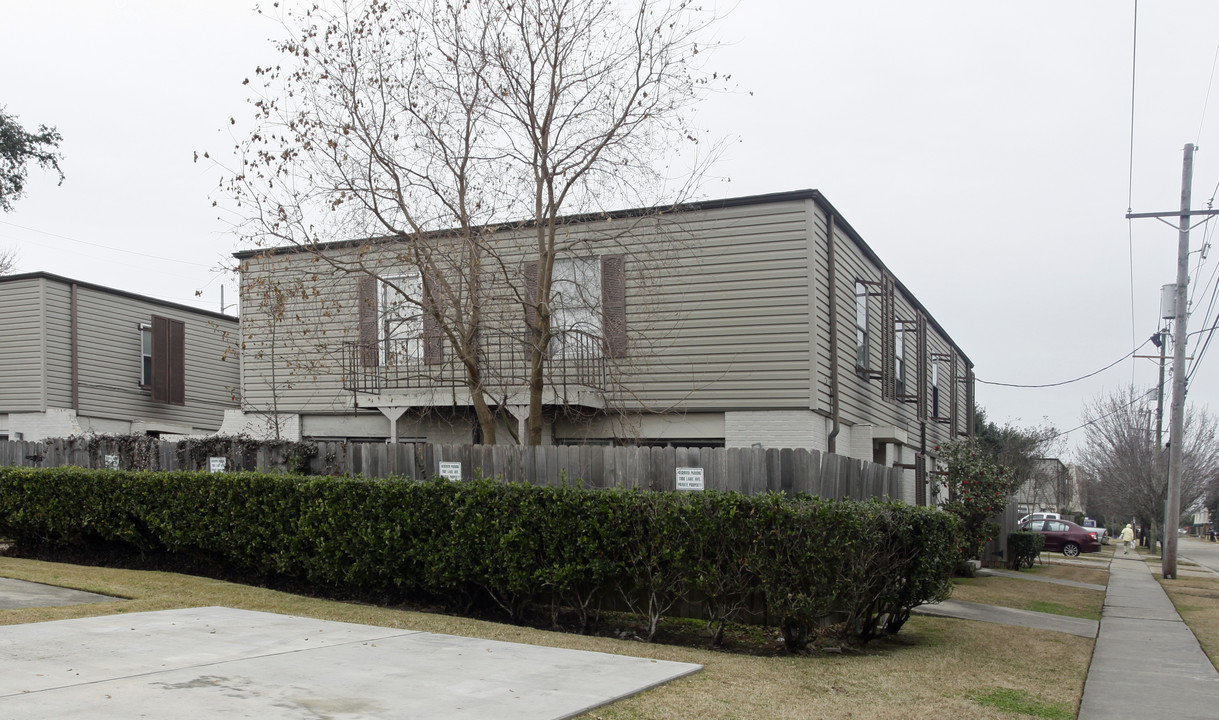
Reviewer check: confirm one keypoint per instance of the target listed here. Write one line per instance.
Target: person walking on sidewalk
(1128, 538)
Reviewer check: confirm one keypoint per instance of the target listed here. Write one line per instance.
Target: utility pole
(1172, 506)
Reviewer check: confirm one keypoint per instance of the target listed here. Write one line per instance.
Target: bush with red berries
(977, 489)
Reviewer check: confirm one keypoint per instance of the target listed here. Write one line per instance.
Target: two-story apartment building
(77, 357)
(1054, 487)
(754, 321)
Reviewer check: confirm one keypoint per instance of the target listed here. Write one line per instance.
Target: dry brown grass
(1033, 595)
(1197, 602)
(925, 672)
(1094, 576)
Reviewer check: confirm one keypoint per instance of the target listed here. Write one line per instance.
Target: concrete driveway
(221, 662)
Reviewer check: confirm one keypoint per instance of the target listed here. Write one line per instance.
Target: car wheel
(1070, 550)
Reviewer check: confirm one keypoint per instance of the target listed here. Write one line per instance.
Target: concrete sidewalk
(1009, 616)
(15, 594)
(1035, 578)
(1146, 663)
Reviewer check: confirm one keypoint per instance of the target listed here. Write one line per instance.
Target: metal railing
(574, 364)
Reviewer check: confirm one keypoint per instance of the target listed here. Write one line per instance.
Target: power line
(1093, 421)
(105, 247)
(1209, 85)
(1065, 382)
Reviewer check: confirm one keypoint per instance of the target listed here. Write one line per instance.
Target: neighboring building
(1054, 487)
(754, 321)
(79, 358)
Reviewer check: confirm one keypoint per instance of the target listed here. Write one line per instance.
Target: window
(400, 319)
(576, 308)
(145, 355)
(935, 389)
(899, 350)
(861, 326)
(163, 360)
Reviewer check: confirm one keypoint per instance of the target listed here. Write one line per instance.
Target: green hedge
(525, 548)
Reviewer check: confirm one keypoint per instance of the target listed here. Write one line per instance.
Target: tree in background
(17, 149)
(8, 260)
(978, 487)
(1018, 448)
(1127, 476)
(401, 119)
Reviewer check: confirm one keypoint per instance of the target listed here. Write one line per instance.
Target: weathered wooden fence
(748, 470)
(995, 553)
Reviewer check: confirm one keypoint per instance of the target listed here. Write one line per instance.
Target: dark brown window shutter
(613, 305)
(433, 338)
(177, 362)
(531, 294)
(160, 350)
(367, 307)
(168, 361)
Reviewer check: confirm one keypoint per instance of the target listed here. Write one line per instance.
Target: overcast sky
(981, 148)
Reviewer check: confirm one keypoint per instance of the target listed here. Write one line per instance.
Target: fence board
(746, 470)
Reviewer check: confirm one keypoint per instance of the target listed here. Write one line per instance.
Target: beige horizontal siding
(21, 346)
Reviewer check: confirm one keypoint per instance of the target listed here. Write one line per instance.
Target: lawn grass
(1036, 596)
(936, 667)
(1197, 602)
(1093, 576)
(1021, 703)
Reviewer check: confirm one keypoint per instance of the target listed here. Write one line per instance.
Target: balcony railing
(575, 363)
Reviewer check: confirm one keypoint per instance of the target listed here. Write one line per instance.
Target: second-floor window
(899, 350)
(861, 326)
(145, 354)
(576, 308)
(935, 389)
(400, 319)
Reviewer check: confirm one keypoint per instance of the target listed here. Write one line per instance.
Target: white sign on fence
(689, 478)
(217, 464)
(112, 462)
(451, 471)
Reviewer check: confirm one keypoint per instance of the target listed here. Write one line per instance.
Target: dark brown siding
(367, 303)
(613, 304)
(433, 338)
(168, 361)
(531, 294)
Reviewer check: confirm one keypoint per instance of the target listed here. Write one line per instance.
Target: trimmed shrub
(521, 548)
(1024, 547)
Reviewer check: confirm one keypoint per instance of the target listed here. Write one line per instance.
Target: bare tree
(440, 129)
(1128, 477)
(8, 260)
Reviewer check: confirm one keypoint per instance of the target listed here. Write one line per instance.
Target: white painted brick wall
(54, 423)
(906, 491)
(860, 446)
(775, 429)
(260, 427)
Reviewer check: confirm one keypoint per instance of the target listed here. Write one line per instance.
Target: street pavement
(1147, 662)
(1203, 552)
